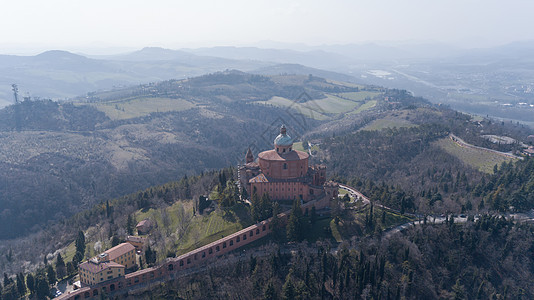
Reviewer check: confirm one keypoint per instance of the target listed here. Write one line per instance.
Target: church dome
(283, 139)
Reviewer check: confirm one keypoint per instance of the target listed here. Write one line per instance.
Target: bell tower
(249, 157)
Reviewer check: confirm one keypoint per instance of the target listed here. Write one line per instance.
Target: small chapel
(284, 173)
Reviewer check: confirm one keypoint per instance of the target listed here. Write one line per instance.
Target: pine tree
(288, 290)
(265, 207)
(294, 224)
(255, 207)
(292, 228)
(270, 292)
(276, 224)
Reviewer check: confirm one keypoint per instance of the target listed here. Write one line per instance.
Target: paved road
(462, 143)
(355, 194)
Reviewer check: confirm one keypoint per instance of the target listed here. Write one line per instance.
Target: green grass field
(138, 107)
(366, 106)
(313, 112)
(298, 146)
(333, 104)
(361, 96)
(202, 229)
(479, 159)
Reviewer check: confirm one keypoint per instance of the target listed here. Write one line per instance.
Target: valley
(391, 146)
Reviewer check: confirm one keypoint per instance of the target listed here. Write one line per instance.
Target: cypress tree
(21, 285)
(30, 283)
(313, 215)
(80, 243)
(7, 281)
(60, 266)
(42, 288)
(130, 225)
(51, 274)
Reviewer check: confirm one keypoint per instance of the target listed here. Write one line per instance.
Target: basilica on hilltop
(284, 173)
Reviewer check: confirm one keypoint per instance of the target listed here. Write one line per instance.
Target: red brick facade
(283, 173)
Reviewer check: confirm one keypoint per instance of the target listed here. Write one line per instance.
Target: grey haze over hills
(497, 81)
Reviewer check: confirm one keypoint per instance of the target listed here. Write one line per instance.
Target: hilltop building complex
(284, 173)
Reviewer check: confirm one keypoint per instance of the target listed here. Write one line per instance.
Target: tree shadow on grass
(238, 213)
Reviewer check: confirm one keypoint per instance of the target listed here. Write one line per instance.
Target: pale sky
(37, 25)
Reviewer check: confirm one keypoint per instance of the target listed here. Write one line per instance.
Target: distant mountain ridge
(488, 81)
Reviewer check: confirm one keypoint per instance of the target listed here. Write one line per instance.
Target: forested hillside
(407, 152)
(58, 158)
(487, 259)
(512, 187)
(71, 159)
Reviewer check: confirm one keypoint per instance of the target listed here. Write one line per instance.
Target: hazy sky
(78, 25)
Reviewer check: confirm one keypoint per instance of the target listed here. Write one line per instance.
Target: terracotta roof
(119, 250)
(262, 178)
(288, 156)
(133, 238)
(259, 178)
(97, 267)
(144, 222)
(137, 273)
